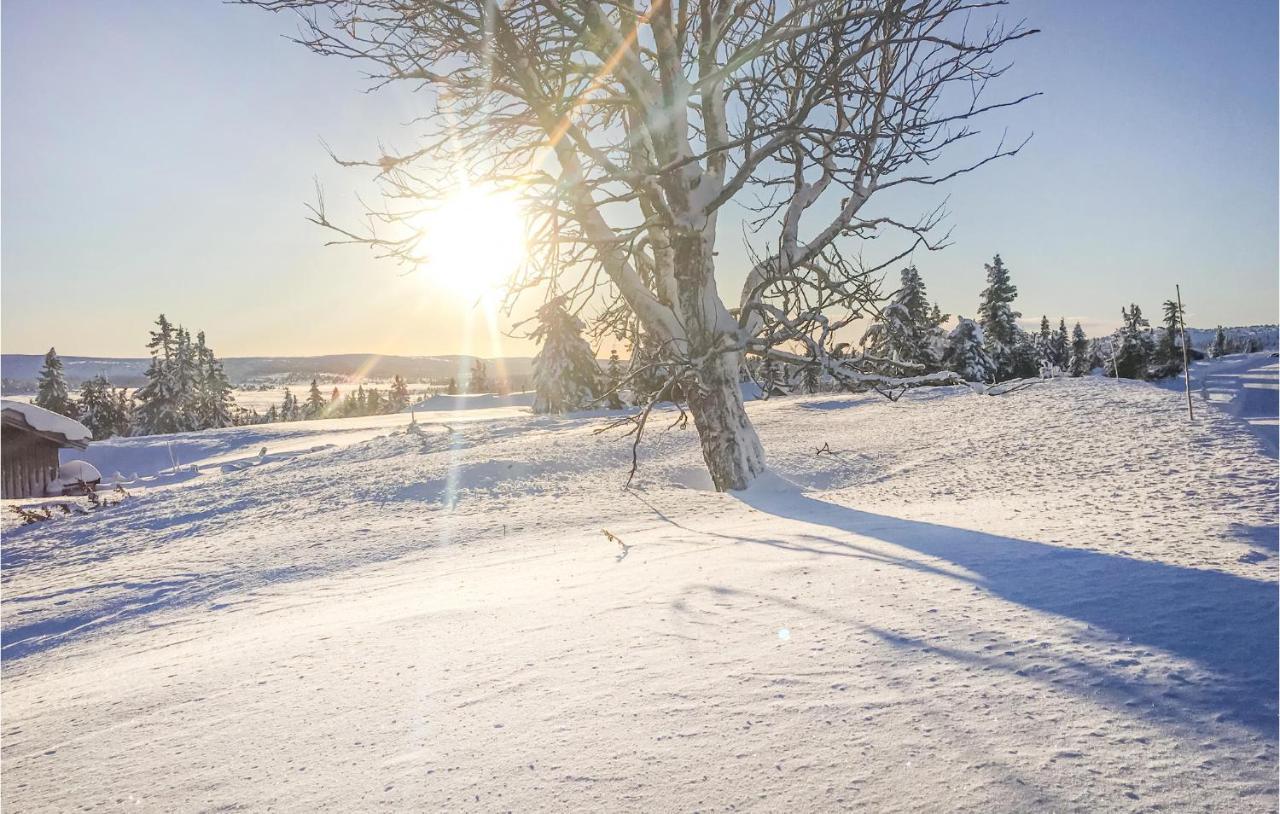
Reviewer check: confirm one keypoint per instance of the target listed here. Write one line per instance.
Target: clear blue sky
(157, 155)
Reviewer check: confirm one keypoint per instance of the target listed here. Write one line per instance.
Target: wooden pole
(1186, 360)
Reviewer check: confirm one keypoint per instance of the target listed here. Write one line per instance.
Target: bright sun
(473, 242)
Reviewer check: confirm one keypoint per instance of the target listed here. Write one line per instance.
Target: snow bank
(47, 420)
(476, 401)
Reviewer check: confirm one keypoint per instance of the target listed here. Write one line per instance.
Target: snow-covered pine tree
(288, 407)
(374, 402)
(1024, 358)
(998, 320)
(214, 404)
(97, 407)
(1134, 348)
(160, 408)
(566, 376)
(1044, 342)
(185, 379)
(1080, 361)
(966, 352)
(1059, 346)
(1219, 346)
(614, 377)
(51, 392)
(315, 401)
(398, 396)
(273, 415)
(362, 401)
(452, 388)
(902, 341)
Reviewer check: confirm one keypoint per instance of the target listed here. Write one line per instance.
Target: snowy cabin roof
(65, 432)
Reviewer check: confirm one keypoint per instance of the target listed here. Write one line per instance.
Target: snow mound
(48, 421)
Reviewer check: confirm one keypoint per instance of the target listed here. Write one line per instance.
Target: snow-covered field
(1060, 599)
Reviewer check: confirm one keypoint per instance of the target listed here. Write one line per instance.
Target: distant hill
(20, 370)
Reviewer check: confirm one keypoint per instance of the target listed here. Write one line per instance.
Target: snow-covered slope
(1060, 599)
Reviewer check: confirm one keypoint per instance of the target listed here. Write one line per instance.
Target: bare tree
(627, 130)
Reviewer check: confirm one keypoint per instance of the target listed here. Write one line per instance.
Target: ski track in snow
(1060, 599)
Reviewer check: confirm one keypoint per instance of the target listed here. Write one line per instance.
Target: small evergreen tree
(452, 388)
(966, 352)
(479, 382)
(1169, 350)
(398, 396)
(1024, 357)
(1059, 347)
(1133, 348)
(51, 392)
(362, 401)
(315, 401)
(373, 402)
(1080, 362)
(161, 408)
(213, 405)
(1219, 346)
(97, 407)
(613, 375)
(565, 374)
(998, 320)
(1044, 342)
(907, 335)
(288, 407)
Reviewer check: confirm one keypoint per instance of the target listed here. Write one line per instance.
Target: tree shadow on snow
(1224, 623)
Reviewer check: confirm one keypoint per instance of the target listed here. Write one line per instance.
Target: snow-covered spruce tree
(51, 391)
(97, 407)
(1219, 346)
(1079, 362)
(565, 374)
(315, 401)
(966, 352)
(213, 404)
(1044, 343)
(1024, 357)
(1060, 346)
(802, 112)
(374, 402)
(161, 405)
(906, 334)
(998, 320)
(1133, 346)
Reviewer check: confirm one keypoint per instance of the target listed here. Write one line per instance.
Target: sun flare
(473, 242)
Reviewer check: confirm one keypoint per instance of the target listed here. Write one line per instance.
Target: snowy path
(1046, 601)
(1244, 385)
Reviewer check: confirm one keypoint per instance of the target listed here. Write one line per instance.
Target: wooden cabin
(30, 438)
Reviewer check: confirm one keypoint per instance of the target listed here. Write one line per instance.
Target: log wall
(27, 464)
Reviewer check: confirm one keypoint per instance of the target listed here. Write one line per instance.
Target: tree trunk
(729, 443)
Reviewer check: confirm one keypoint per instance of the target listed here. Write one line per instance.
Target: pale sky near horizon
(156, 156)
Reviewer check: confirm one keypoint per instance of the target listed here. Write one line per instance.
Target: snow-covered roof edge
(38, 418)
